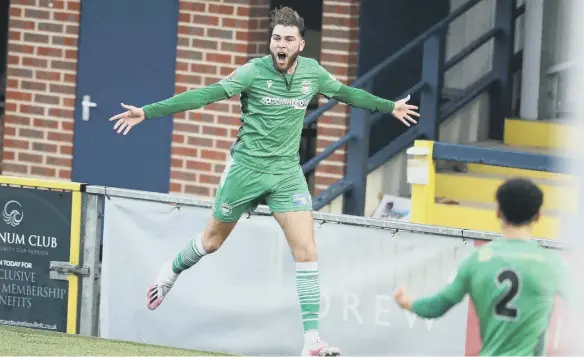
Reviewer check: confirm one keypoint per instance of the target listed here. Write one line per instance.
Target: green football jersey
(513, 285)
(273, 107)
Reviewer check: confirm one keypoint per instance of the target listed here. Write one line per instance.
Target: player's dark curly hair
(519, 200)
(286, 16)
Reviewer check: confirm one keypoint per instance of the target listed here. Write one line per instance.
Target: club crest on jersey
(305, 87)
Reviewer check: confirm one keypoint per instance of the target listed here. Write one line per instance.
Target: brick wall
(40, 88)
(215, 37)
(339, 53)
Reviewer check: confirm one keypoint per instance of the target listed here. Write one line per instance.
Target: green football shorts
(241, 189)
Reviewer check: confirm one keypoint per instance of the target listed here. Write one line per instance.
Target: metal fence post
(433, 77)
(358, 159)
(91, 230)
(501, 92)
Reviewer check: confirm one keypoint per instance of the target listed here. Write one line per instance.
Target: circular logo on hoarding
(13, 213)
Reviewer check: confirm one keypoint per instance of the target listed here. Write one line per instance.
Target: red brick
(32, 109)
(19, 95)
(51, 76)
(67, 125)
(34, 62)
(67, 17)
(20, 24)
(15, 35)
(29, 85)
(10, 131)
(66, 149)
(182, 175)
(50, 27)
(45, 123)
(60, 137)
(209, 179)
(10, 167)
(197, 190)
(65, 174)
(18, 120)
(43, 147)
(43, 171)
(15, 12)
(198, 165)
(191, 6)
(215, 131)
(206, 20)
(24, 49)
(213, 155)
(184, 151)
(37, 14)
(331, 132)
(216, 57)
(221, 9)
(30, 158)
(59, 161)
(8, 155)
(176, 188)
(179, 139)
(177, 163)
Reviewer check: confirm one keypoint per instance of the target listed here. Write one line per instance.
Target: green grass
(16, 341)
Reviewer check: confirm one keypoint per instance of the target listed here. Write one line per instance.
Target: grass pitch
(17, 341)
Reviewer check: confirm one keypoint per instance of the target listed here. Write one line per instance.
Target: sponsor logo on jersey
(295, 103)
(305, 87)
(269, 83)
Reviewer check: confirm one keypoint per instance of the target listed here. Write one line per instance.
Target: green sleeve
(362, 99)
(189, 100)
(328, 85)
(437, 305)
(239, 80)
(235, 83)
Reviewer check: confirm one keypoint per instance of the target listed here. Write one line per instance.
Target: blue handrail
(361, 81)
(351, 182)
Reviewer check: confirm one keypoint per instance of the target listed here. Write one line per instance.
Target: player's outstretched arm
(428, 307)
(359, 98)
(235, 83)
(189, 100)
(436, 305)
(330, 87)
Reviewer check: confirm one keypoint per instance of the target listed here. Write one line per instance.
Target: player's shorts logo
(226, 209)
(306, 87)
(301, 199)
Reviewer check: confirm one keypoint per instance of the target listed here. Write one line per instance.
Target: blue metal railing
(498, 81)
(503, 157)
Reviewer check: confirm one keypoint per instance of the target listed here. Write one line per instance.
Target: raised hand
(126, 120)
(402, 298)
(404, 112)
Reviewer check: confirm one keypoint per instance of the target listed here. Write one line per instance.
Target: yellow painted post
(421, 174)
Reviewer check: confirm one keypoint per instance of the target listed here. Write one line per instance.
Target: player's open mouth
(281, 56)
